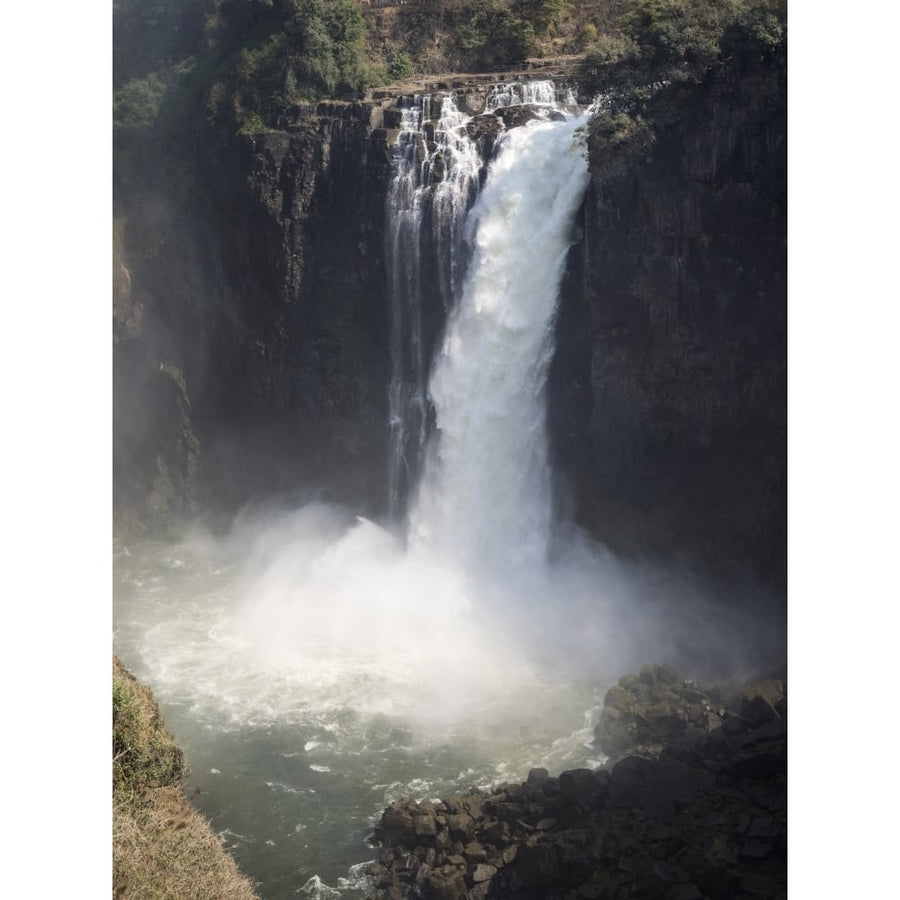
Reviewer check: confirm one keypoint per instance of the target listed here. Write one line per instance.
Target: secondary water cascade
(315, 666)
(485, 485)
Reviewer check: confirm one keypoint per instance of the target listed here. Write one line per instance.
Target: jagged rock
(757, 711)
(642, 714)
(514, 116)
(496, 833)
(536, 864)
(582, 787)
(485, 130)
(510, 812)
(461, 826)
(442, 886)
(761, 761)
(483, 872)
(474, 853)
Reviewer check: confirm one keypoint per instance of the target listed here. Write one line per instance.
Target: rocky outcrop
(645, 712)
(668, 390)
(705, 818)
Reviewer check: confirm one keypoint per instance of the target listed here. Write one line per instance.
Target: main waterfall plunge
(315, 666)
(484, 496)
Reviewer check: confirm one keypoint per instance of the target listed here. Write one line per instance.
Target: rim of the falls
(483, 492)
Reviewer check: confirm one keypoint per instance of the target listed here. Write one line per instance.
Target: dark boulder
(514, 116)
(641, 714)
(655, 786)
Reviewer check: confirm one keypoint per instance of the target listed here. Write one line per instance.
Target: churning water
(312, 674)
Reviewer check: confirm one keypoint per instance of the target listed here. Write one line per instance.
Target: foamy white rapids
(485, 496)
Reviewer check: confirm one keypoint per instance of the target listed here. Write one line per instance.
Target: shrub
(542, 14)
(756, 36)
(613, 64)
(400, 66)
(136, 104)
(669, 41)
(679, 38)
(326, 45)
(494, 35)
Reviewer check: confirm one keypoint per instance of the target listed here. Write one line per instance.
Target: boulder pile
(699, 811)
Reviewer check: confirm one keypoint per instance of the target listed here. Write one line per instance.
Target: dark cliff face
(668, 392)
(251, 322)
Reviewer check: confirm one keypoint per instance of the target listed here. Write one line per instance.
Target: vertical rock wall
(256, 281)
(668, 392)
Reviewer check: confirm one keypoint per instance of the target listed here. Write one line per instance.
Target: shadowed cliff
(669, 389)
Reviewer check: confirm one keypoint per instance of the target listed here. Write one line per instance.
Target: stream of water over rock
(315, 666)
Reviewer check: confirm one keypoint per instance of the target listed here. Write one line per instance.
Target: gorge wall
(669, 390)
(251, 322)
(251, 328)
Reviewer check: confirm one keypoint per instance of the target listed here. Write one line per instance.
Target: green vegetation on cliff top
(247, 60)
(645, 66)
(238, 65)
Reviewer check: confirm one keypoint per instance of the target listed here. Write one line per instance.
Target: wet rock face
(706, 818)
(667, 396)
(260, 279)
(514, 116)
(254, 267)
(485, 130)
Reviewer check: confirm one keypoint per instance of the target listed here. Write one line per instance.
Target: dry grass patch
(162, 848)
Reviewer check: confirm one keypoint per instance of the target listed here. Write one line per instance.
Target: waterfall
(483, 491)
(435, 181)
(529, 93)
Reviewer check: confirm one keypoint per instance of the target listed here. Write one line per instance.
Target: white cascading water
(435, 181)
(485, 496)
(499, 327)
(529, 93)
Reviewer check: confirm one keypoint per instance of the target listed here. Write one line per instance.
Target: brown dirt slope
(162, 848)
